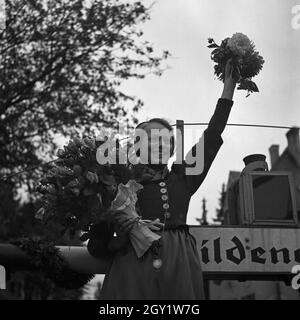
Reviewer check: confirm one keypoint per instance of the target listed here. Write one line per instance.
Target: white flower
(126, 198)
(239, 43)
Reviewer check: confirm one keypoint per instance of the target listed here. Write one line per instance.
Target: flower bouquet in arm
(246, 61)
(82, 194)
(76, 189)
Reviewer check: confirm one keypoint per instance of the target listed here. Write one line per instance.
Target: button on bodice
(170, 197)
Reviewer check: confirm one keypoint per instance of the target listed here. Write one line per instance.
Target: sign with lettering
(223, 250)
(247, 250)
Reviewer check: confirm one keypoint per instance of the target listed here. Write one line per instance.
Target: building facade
(288, 160)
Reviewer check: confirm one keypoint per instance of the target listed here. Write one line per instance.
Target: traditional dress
(167, 198)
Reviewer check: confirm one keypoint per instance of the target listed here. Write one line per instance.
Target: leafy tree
(62, 64)
(17, 220)
(203, 220)
(220, 211)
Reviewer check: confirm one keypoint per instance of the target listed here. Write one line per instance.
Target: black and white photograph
(149, 151)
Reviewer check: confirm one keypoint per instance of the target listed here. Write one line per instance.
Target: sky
(189, 91)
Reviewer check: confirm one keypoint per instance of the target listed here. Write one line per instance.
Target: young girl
(171, 268)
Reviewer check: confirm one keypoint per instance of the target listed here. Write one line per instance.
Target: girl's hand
(124, 226)
(231, 78)
(232, 73)
(154, 225)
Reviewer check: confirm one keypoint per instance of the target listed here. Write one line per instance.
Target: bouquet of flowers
(77, 189)
(246, 61)
(78, 192)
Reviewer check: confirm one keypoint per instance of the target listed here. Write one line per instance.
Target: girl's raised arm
(211, 139)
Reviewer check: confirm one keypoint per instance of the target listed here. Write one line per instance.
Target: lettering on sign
(229, 249)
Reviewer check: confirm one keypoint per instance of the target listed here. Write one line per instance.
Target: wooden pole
(78, 258)
(179, 141)
(12, 257)
(81, 261)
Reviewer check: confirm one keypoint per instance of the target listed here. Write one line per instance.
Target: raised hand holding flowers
(245, 60)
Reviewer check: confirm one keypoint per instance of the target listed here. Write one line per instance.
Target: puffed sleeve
(200, 158)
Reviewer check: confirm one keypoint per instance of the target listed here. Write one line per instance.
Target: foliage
(203, 220)
(220, 211)
(247, 63)
(77, 189)
(47, 259)
(61, 66)
(17, 220)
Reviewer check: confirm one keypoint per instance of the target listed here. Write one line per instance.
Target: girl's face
(154, 143)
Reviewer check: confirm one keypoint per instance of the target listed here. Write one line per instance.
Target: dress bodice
(154, 199)
(178, 187)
